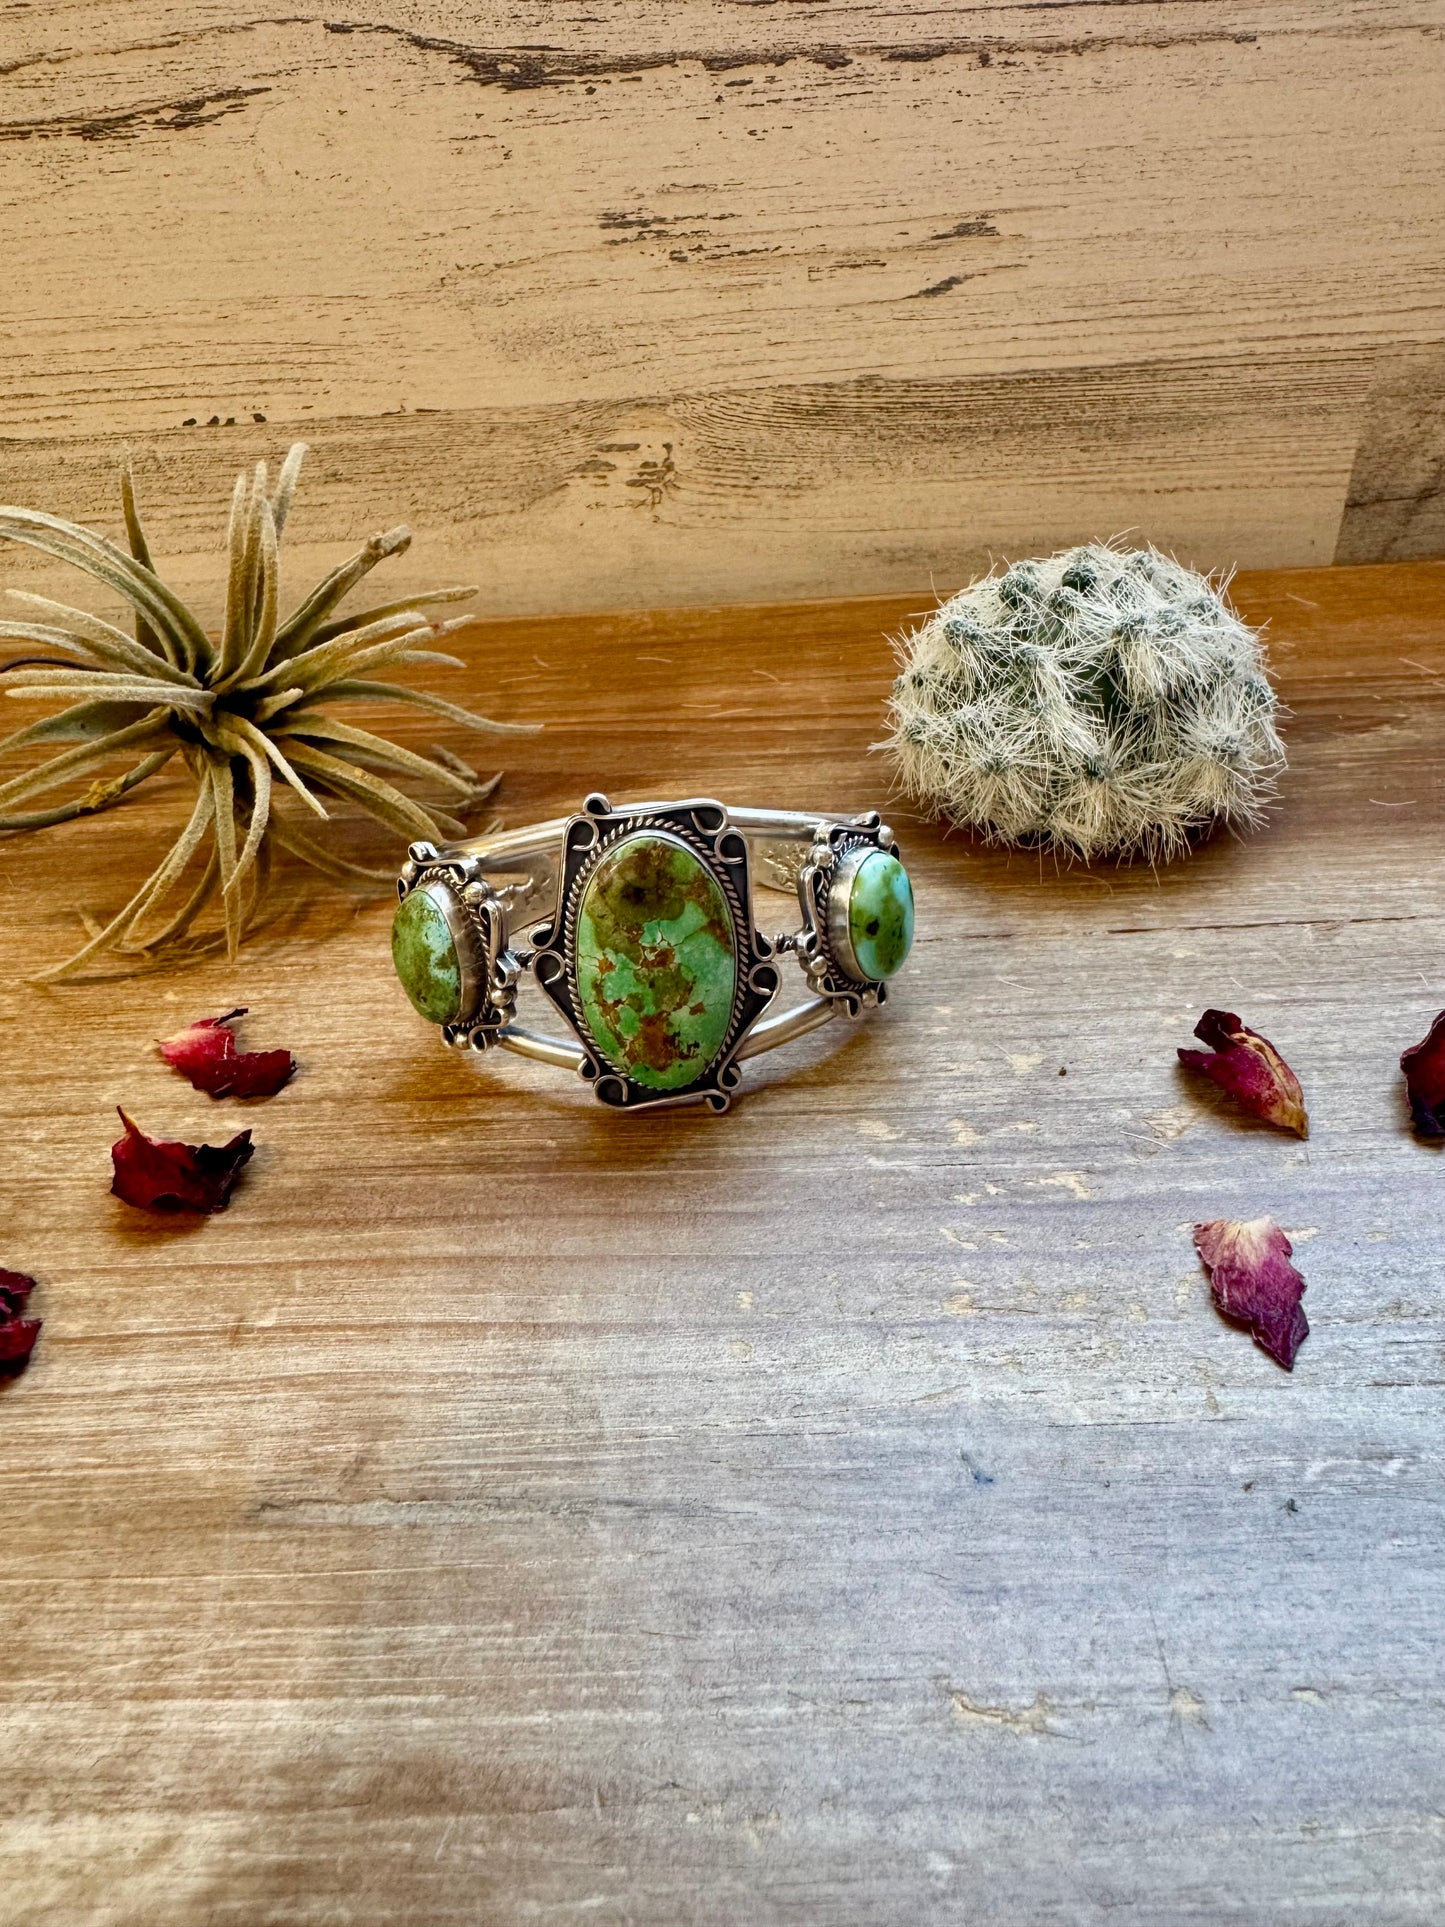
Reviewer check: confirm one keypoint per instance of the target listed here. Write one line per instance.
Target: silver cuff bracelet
(646, 941)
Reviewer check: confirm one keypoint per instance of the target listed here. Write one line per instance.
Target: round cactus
(1103, 701)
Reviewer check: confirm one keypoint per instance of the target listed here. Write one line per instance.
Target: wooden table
(850, 1512)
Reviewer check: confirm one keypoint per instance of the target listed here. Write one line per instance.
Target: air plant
(240, 710)
(1101, 701)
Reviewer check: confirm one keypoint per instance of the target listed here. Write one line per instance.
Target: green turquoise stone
(880, 915)
(656, 964)
(425, 954)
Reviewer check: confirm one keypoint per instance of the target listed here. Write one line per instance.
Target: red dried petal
(206, 1053)
(1424, 1068)
(15, 1288)
(17, 1334)
(1249, 1067)
(159, 1175)
(1254, 1282)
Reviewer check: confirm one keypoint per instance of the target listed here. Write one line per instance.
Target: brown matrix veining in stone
(656, 964)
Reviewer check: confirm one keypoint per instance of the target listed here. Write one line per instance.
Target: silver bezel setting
(825, 949)
(703, 828)
(477, 919)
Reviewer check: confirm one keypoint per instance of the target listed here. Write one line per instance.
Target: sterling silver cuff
(645, 939)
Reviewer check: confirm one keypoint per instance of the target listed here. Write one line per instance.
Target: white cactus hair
(1105, 701)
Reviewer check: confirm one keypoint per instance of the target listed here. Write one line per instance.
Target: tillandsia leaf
(17, 1332)
(234, 636)
(98, 797)
(153, 890)
(159, 942)
(383, 641)
(376, 751)
(362, 618)
(95, 639)
(181, 922)
(408, 620)
(263, 615)
(295, 633)
(357, 785)
(354, 875)
(393, 692)
(70, 762)
(163, 1175)
(223, 804)
(268, 748)
(260, 573)
(135, 534)
(314, 673)
(286, 486)
(1254, 1283)
(182, 639)
(81, 621)
(34, 685)
(238, 710)
(479, 787)
(436, 656)
(1249, 1067)
(172, 868)
(270, 706)
(1424, 1068)
(449, 759)
(377, 797)
(253, 546)
(81, 723)
(252, 885)
(260, 802)
(206, 1053)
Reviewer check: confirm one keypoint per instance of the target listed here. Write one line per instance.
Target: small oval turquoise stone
(656, 966)
(880, 915)
(425, 954)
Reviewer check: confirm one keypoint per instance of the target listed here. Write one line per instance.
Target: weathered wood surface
(850, 1511)
(1395, 509)
(714, 302)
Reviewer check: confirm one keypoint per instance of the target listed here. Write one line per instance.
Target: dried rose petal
(17, 1334)
(1254, 1282)
(206, 1053)
(161, 1176)
(1424, 1068)
(1250, 1068)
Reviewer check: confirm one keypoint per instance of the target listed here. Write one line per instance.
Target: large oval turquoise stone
(656, 966)
(880, 914)
(425, 954)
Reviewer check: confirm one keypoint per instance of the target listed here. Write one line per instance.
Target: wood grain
(1396, 505)
(850, 1511)
(721, 301)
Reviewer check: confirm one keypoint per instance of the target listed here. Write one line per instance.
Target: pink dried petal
(159, 1175)
(1249, 1067)
(1254, 1282)
(1424, 1068)
(17, 1334)
(206, 1053)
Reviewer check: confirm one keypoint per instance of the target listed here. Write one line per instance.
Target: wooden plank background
(849, 1512)
(640, 305)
